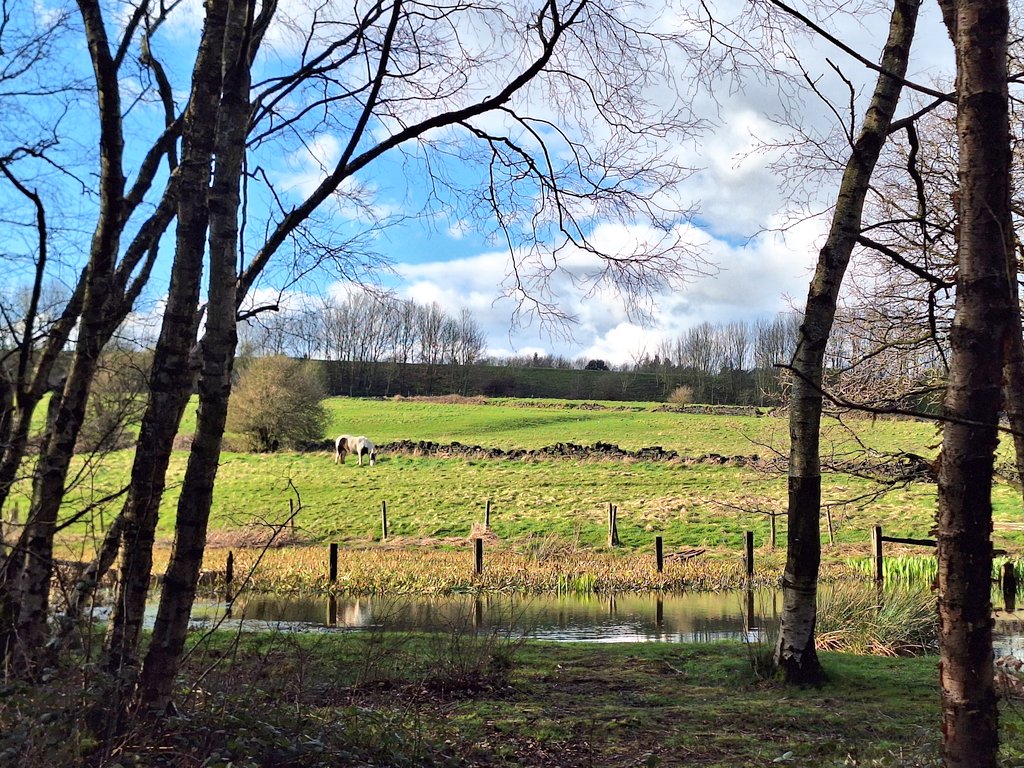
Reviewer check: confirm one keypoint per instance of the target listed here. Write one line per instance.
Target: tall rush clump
(795, 653)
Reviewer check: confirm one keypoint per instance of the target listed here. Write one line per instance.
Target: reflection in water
(678, 617)
(688, 617)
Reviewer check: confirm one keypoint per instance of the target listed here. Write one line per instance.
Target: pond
(621, 618)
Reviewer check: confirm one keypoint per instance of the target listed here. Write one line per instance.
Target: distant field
(517, 424)
(507, 423)
(438, 500)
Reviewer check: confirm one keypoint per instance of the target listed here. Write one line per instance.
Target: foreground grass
(454, 700)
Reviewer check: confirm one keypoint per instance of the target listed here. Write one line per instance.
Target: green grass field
(508, 424)
(436, 500)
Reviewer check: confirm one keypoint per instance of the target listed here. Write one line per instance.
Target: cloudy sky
(755, 271)
(755, 238)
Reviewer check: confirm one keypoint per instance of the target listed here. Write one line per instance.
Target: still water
(623, 618)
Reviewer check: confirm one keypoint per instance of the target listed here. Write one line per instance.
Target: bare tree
(107, 291)
(422, 111)
(774, 342)
(796, 653)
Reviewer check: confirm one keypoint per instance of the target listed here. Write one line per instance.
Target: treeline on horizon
(375, 345)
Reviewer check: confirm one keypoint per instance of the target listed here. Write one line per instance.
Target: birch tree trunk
(172, 375)
(108, 293)
(795, 653)
(979, 336)
(242, 36)
(51, 469)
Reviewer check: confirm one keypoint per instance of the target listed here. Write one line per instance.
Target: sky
(755, 271)
(755, 238)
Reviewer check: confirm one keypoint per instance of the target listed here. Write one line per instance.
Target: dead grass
(451, 399)
(257, 537)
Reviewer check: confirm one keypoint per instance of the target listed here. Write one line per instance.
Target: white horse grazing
(360, 446)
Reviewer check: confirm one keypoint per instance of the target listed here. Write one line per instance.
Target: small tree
(276, 402)
(116, 402)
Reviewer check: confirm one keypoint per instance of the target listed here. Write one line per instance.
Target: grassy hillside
(439, 500)
(509, 423)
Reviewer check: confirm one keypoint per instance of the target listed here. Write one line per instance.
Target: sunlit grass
(515, 424)
(436, 502)
(697, 505)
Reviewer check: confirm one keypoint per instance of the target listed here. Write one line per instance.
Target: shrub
(116, 402)
(681, 395)
(277, 403)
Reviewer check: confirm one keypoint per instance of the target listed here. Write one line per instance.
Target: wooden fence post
(229, 569)
(659, 553)
(748, 552)
(613, 525)
(333, 564)
(749, 621)
(384, 521)
(1009, 582)
(479, 546)
(876, 549)
(487, 515)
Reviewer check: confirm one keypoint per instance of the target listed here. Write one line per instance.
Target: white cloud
(354, 199)
(736, 191)
(757, 278)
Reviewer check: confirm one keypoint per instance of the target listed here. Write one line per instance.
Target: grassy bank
(436, 502)
(455, 700)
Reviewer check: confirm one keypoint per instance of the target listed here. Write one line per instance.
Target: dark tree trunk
(106, 298)
(172, 375)
(979, 337)
(218, 352)
(51, 470)
(796, 654)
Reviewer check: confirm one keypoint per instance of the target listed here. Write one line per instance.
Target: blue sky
(444, 256)
(756, 272)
